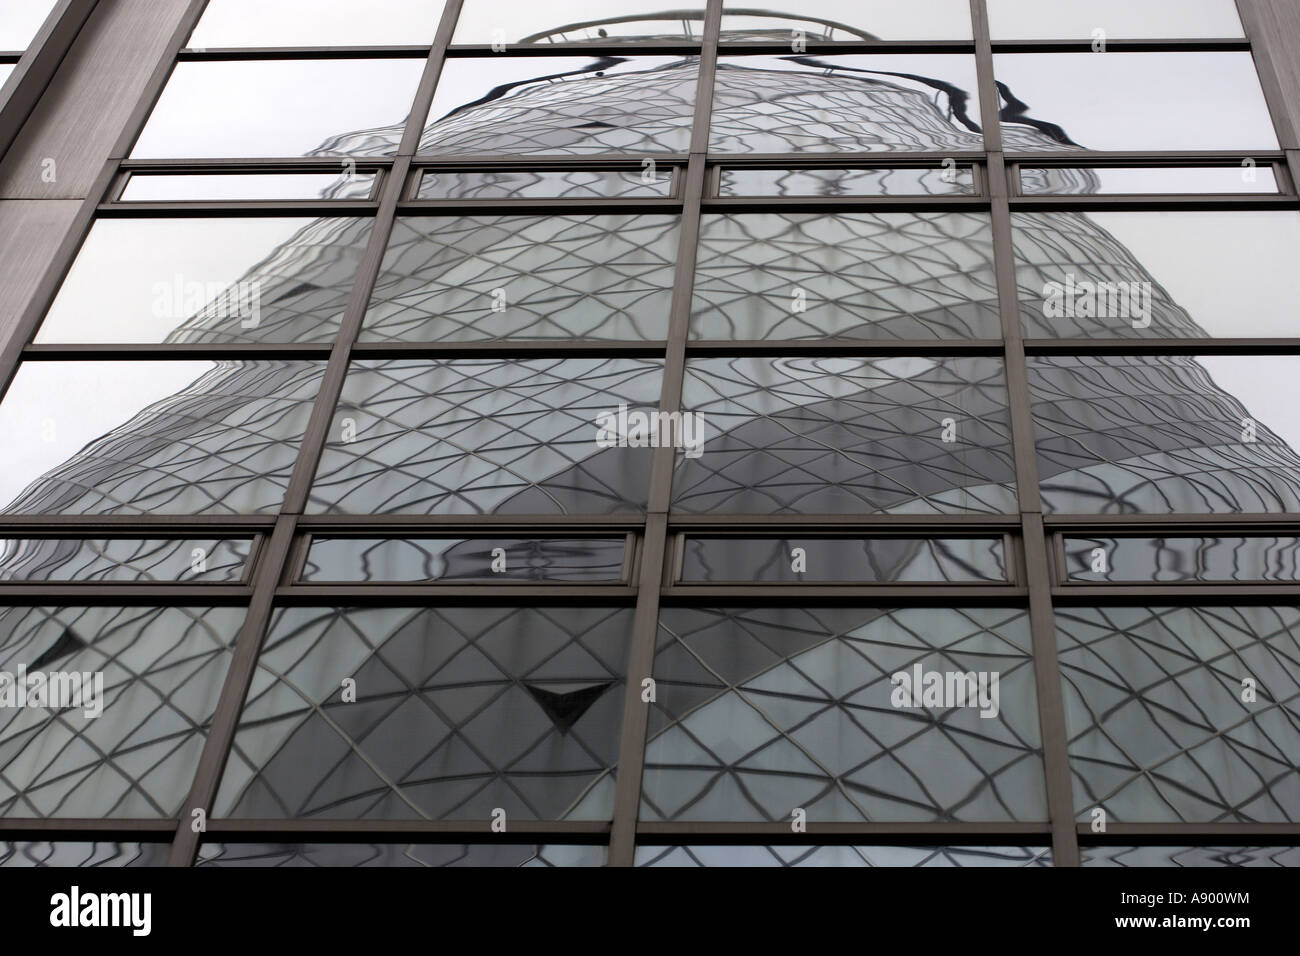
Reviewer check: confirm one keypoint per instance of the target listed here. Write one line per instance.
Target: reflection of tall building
(1117, 435)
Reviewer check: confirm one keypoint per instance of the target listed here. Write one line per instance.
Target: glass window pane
(647, 183)
(853, 275)
(398, 854)
(71, 853)
(577, 21)
(1198, 856)
(153, 437)
(848, 560)
(576, 105)
(219, 281)
(836, 20)
(759, 711)
(160, 673)
(929, 856)
(482, 560)
(236, 23)
(1120, 19)
(1175, 274)
(846, 103)
(829, 183)
(846, 436)
(487, 436)
(165, 560)
(1172, 434)
(275, 108)
(20, 21)
(1174, 559)
(211, 187)
(1160, 180)
(1158, 731)
(458, 712)
(1133, 101)
(477, 278)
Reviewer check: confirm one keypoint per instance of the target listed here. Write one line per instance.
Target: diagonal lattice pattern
(848, 436)
(485, 436)
(162, 668)
(390, 854)
(1191, 856)
(860, 275)
(851, 856)
(475, 278)
(1158, 727)
(1151, 435)
(760, 711)
(458, 712)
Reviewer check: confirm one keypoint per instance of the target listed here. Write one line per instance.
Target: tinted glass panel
(123, 559)
(804, 103)
(153, 437)
(66, 853)
(856, 275)
(1167, 434)
(1218, 558)
(1133, 101)
(1197, 856)
(1120, 19)
(1080, 181)
(228, 280)
(458, 712)
(645, 183)
(556, 277)
(255, 108)
(161, 670)
(570, 104)
(850, 560)
(897, 181)
(930, 856)
(846, 436)
(577, 21)
(1158, 274)
(1157, 724)
(465, 559)
(762, 711)
(394, 854)
(486, 437)
(248, 186)
(835, 20)
(233, 23)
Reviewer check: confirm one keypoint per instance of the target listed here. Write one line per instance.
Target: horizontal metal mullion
(187, 208)
(543, 161)
(392, 524)
(162, 525)
(228, 165)
(124, 593)
(1086, 157)
(88, 829)
(207, 54)
(1171, 834)
(1115, 45)
(763, 524)
(845, 160)
(1137, 346)
(786, 204)
(594, 48)
(433, 831)
(1143, 595)
(549, 348)
(1134, 525)
(814, 47)
(181, 351)
(1162, 202)
(659, 833)
(881, 347)
(535, 207)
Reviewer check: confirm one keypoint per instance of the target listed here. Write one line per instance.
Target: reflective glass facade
(847, 434)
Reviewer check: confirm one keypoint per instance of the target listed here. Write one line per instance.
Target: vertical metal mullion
(279, 551)
(1274, 95)
(655, 552)
(1051, 709)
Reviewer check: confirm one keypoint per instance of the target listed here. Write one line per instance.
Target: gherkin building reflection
(814, 436)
